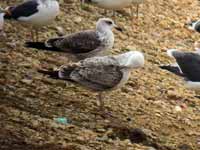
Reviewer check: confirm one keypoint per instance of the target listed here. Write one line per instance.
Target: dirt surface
(154, 109)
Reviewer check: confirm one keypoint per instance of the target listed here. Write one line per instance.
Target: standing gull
(100, 73)
(83, 44)
(116, 4)
(187, 67)
(34, 12)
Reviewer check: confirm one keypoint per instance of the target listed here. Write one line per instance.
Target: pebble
(60, 31)
(178, 109)
(77, 19)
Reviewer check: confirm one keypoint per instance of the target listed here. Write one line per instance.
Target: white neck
(103, 29)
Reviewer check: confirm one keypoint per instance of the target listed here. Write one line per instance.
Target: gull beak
(118, 28)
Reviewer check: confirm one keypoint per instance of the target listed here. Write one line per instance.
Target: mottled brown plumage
(81, 42)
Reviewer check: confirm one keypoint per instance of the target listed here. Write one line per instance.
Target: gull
(100, 74)
(116, 4)
(36, 13)
(82, 44)
(194, 25)
(1, 20)
(187, 67)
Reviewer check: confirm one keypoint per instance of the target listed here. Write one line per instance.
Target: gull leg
(114, 13)
(105, 12)
(32, 35)
(82, 3)
(102, 110)
(137, 10)
(101, 102)
(37, 35)
(132, 15)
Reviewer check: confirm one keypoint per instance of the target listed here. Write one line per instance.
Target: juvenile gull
(36, 13)
(116, 4)
(187, 67)
(83, 44)
(100, 73)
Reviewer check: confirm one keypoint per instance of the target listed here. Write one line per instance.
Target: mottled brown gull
(83, 44)
(100, 73)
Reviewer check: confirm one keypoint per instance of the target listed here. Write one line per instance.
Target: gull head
(104, 24)
(132, 59)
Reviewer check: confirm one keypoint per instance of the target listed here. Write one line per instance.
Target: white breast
(46, 14)
(1, 21)
(107, 39)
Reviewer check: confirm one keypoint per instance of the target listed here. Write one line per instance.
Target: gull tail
(8, 16)
(40, 46)
(172, 69)
(50, 73)
(8, 13)
(63, 73)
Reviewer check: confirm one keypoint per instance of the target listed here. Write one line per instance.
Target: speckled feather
(81, 42)
(100, 73)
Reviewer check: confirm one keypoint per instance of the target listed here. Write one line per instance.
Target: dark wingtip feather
(172, 69)
(50, 73)
(37, 45)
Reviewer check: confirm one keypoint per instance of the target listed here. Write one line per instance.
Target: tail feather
(40, 46)
(63, 73)
(8, 13)
(173, 69)
(51, 74)
(7, 16)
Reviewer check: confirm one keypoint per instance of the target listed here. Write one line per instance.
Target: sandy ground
(154, 109)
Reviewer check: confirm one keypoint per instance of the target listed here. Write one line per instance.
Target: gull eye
(109, 22)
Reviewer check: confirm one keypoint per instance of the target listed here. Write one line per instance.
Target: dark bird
(187, 67)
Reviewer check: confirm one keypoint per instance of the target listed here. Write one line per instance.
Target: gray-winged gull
(83, 44)
(187, 67)
(100, 73)
(116, 4)
(37, 13)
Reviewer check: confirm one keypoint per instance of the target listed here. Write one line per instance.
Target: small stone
(60, 31)
(101, 130)
(26, 81)
(178, 109)
(77, 19)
